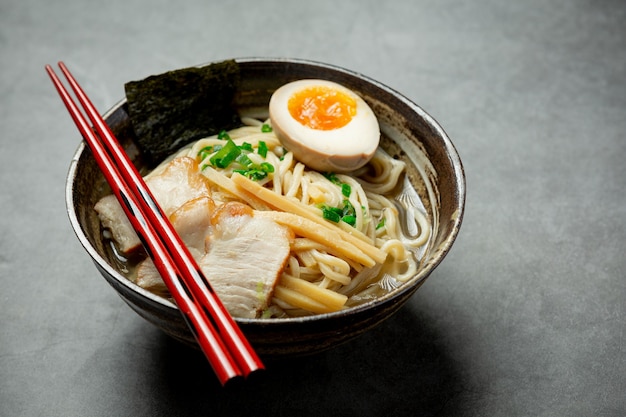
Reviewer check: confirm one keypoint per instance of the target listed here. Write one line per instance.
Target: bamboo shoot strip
(295, 207)
(329, 298)
(326, 236)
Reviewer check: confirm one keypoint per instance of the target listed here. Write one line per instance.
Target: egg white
(339, 150)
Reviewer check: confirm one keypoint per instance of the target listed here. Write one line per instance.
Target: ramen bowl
(434, 170)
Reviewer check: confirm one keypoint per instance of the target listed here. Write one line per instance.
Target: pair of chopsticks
(219, 337)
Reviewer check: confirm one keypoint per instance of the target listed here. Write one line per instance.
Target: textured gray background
(525, 317)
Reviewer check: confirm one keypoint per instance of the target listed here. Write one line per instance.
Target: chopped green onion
(204, 152)
(267, 167)
(244, 160)
(253, 171)
(346, 190)
(256, 175)
(332, 177)
(266, 128)
(346, 214)
(253, 174)
(223, 135)
(246, 147)
(348, 209)
(380, 224)
(330, 213)
(262, 149)
(351, 220)
(225, 156)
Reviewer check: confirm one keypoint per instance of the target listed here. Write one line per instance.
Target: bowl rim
(410, 285)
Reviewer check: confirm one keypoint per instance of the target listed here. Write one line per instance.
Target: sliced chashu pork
(179, 182)
(192, 222)
(243, 256)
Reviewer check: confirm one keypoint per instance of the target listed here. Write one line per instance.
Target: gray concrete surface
(525, 317)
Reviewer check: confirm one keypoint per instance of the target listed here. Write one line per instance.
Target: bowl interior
(409, 133)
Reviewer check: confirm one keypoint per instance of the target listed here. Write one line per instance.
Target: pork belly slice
(179, 182)
(148, 276)
(192, 222)
(245, 258)
(113, 219)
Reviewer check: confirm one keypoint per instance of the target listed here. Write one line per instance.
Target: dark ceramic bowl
(409, 133)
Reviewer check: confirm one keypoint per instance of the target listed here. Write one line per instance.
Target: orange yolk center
(322, 108)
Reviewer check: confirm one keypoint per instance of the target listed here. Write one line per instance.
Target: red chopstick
(219, 337)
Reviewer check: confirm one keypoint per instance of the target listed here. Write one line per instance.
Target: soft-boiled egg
(327, 126)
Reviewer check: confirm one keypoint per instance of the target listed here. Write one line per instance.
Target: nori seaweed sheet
(170, 110)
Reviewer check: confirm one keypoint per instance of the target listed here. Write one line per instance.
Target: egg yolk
(322, 108)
